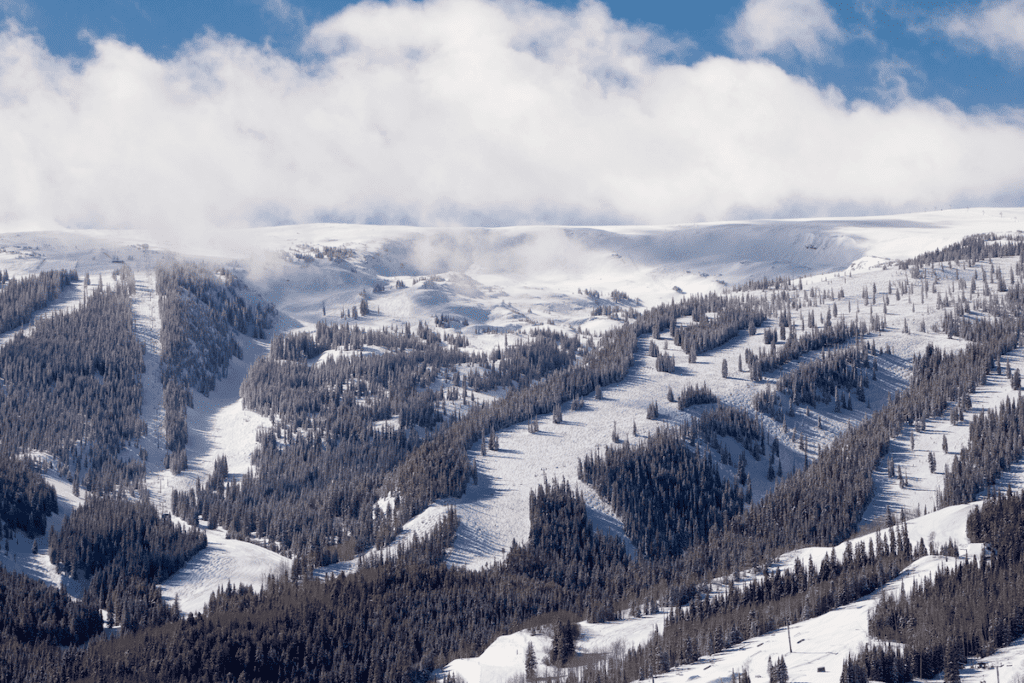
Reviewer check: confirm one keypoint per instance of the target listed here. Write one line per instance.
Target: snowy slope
(515, 279)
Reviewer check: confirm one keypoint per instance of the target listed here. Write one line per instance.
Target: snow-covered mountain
(497, 286)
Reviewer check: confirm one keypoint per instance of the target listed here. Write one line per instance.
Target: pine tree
(530, 662)
(950, 663)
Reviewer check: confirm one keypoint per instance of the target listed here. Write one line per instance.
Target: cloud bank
(465, 112)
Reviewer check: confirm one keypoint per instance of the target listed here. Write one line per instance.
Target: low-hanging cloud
(465, 112)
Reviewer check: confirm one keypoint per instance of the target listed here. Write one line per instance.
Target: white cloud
(781, 27)
(892, 79)
(461, 112)
(996, 26)
(284, 11)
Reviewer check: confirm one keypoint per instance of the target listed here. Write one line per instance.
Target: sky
(195, 115)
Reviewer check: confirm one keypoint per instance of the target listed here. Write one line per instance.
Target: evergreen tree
(530, 662)
(950, 663)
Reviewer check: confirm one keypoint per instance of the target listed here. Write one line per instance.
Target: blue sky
(120, 113)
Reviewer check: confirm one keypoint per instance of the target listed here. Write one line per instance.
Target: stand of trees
(125, 548)
(693, 395)
(731, 316)
(833, 376)
(394, 621)
(996, 440)
(73, 390)
(21, 298)
(328, 459)
(668, 494)
(823, 504)
(401, 617)
(26, 500)
(33, 612)
(831, 334)
(969, 610)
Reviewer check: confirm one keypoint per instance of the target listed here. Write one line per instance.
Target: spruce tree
(530, 662)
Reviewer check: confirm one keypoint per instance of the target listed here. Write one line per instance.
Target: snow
(516, 279)
(505, 657)
(17, 554)
(824, 641)
(222, 561)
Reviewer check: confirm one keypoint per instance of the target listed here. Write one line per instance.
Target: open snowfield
(222, 561)
(503, 282)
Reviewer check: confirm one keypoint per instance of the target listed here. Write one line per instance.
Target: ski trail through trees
(217, 426)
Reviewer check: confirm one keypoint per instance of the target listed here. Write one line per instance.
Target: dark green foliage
(31, 611)
(831, 334)
(398, 620)
(725, 420)
(667, 494)
(320, 483)
(130, 535)
(73, 389)
(968, 610)
(994, 444)
(777, 670)
(818, 380)
(530, 662)
(822, 505)
(126, 548)
(719, 621)
(971, 249)
(564, 550)
(199, 313)
(25, 498)
(694, 395)
(731, 316)
(666, 362)
(405, 616)
(563, 643)
(21, 298)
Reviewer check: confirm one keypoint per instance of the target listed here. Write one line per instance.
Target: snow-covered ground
(824, 641)
(17, 552)
(223, 561)
(507, 281)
